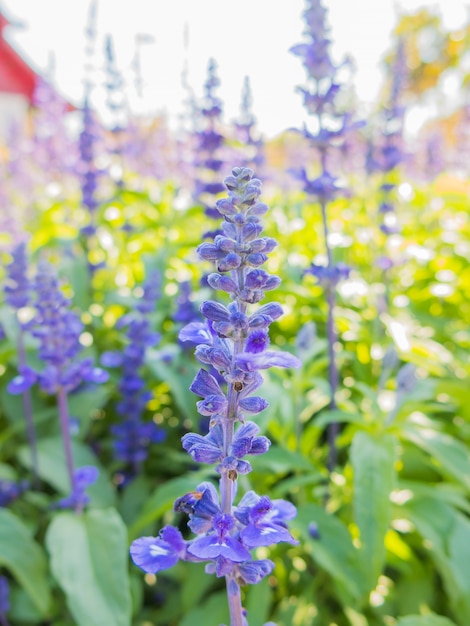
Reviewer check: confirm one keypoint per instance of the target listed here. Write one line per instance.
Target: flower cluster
(11, 490)
(235, 342)
(17, 286)
(133, 436)
(330, 128)
(389, 152)
(245, 125)
(58, 331)
(86, 168)
(209, 142)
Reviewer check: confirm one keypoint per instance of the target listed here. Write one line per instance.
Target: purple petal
(111, 359)
(205, 384)
(85, 476)
(213, 547)
(250, 362)
(153, 554)
(196, 332)
(254, 571)
(214, 311)
(253, 404)
(256, 536)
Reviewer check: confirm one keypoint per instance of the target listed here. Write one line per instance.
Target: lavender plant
(209, 142)
(58, 331)
(245, 130)
(330, 126)
(389, 155)
(238, 347)
(17, 295)
(133, 435)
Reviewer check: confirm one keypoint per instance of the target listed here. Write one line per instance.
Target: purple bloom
(133, 436)
(58, 331)
(200, 505)
(83, 477)
(185, 311)
(220, 544)
(249, 362)
(17, 286)
(329, 274)
(153, 554)
(264, 520)
(10, 491)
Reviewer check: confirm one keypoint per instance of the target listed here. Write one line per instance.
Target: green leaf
(25, 559)
(373, 461)
(334, 550)
(89, 560)
(446, 533)
(451, 455)
(424, 620)
(52, 469)
(338, 416)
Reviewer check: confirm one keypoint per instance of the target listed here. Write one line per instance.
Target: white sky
(246, 37)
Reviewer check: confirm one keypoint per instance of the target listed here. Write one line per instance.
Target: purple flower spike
(234, 341)
(17, 287)
(153, 554)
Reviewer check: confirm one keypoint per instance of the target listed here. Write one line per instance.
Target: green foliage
(25, 559)
(89, 562)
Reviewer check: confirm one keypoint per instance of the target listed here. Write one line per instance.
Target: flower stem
(28, 414)
(234, 602)
(333, 428)
(62, 403)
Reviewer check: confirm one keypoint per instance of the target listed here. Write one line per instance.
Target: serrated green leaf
(89, 560)
(25, 559)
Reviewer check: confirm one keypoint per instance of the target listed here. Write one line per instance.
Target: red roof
(16, 76)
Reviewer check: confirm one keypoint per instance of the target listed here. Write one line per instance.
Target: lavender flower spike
(58, 331)
(235, 344)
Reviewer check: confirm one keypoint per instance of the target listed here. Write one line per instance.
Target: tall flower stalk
(389, 155)
(245, 127)
(329, 128)
(133, 435)
(236, 344)
(17, 295)
(58, 331)
(209, 142)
